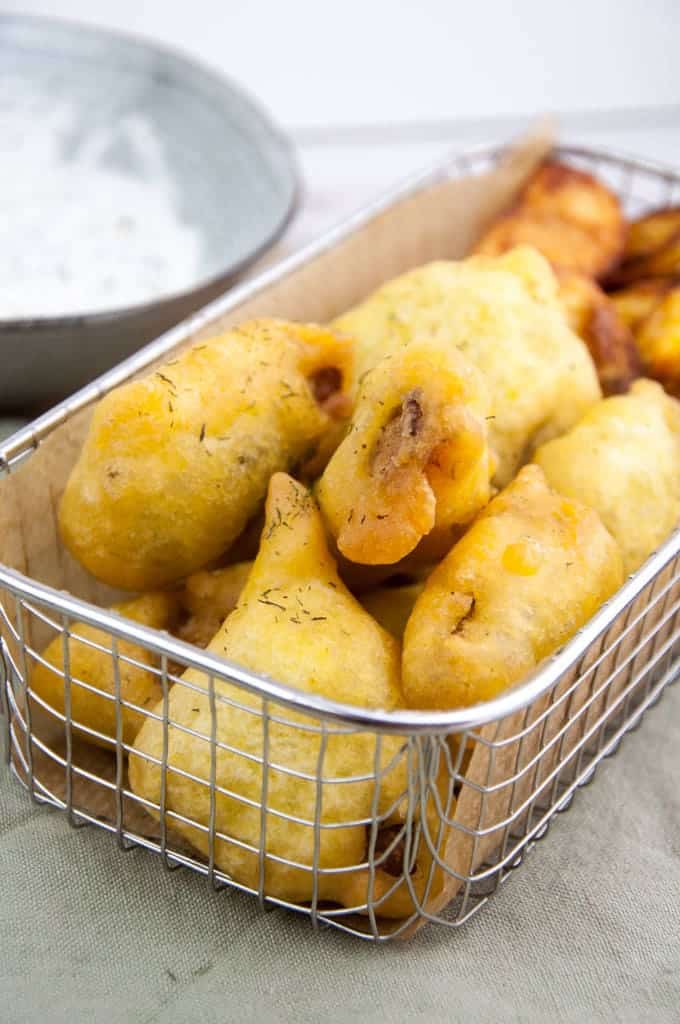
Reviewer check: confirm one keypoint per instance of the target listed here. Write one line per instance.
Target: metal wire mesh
(368, 823)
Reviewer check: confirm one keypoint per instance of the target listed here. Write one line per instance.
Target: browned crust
(549, 209)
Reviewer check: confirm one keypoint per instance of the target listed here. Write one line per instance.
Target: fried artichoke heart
(531, 570)
(568, 215)
(634, 303)
(175, 464)
(94, 687)
(623, 460)
(416, 457)
(503, 315)
(658, 341)
(595, 319)
(652, 248)
(207, 598)
(297, 623)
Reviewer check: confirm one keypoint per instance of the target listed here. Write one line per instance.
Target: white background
(317, 63)
(371, 90)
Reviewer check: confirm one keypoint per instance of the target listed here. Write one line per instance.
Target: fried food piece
(623, 460)
(663, 263)
(529, 572)
(416, 455)
(650, 233)
(95, 668)
(658, 341)
(207, 598)
(175, 464)
(564, 244)
(504, 316)
(297, 623)
(652, 248)
(391, 606)
(593, 317)
(568, 215)
(634, 303)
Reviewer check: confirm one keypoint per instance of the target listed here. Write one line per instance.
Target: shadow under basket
(443, 806)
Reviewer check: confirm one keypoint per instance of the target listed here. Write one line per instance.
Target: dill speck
(273, 604)
(201, 436)
(170, 383)
(319, 618)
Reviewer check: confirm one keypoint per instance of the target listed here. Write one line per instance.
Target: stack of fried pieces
(409, 507)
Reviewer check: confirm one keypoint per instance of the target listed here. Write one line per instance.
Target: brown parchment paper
(522, 753)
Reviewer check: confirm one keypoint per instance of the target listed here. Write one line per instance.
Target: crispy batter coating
(658, 341)
(297, 623)
(564, 244)
(595, 319)
(649, 233)
(568, 215)
(175, 464)
(504, 316)
(634, 303)
(207, 598)
(652, 248)
(95, 668)
(529, 572)
(623, 460)
(662, 263)
(416, 455)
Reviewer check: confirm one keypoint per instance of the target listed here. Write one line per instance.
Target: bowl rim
(223, 83)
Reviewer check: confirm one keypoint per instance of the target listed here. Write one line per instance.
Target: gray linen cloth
(587, 930)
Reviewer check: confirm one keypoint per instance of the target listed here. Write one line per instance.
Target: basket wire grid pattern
(532, 748)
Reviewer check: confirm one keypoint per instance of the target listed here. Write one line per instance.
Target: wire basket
(367, 821)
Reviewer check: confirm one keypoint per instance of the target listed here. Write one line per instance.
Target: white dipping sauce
(79, 234)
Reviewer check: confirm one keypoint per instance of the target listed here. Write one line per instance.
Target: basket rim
(538, 682)
(408, 721)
